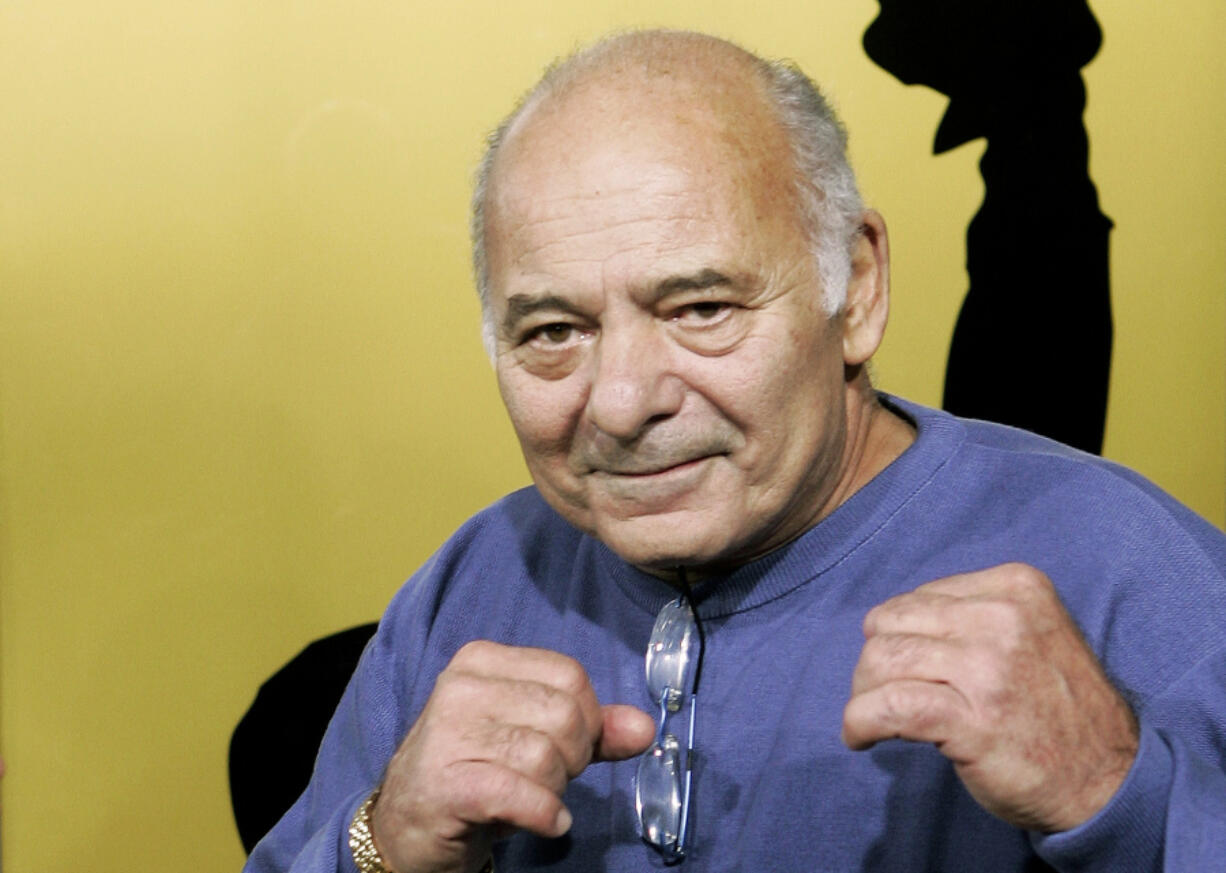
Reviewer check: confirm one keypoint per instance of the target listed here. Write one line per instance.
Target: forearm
(291, 847)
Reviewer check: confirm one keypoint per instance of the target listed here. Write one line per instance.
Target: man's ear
(868, 291)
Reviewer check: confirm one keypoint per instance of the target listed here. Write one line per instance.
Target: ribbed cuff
(1127, 833)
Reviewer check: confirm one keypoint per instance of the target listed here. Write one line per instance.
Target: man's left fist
(990, 668)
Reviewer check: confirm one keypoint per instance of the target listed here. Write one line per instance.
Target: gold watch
(362, 842)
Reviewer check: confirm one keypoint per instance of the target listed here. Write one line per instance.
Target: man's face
(660, 345)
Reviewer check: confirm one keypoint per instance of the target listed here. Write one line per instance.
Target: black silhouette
(1032, 345)
(272, 751)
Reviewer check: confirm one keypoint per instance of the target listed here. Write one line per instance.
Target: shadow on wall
(1032, 345)
(272, 751)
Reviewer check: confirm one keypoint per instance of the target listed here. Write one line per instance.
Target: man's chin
(656, 539)
(659, 547)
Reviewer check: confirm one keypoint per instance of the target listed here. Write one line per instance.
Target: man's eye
(552, 334)
(704, 310)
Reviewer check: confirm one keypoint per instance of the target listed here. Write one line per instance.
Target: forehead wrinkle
(611, 224)
(521, 194)
(557, 249)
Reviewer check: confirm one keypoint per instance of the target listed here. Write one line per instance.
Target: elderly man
(919, 643)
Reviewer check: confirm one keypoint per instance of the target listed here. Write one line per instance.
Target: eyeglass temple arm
(689, 772)
(688, 593)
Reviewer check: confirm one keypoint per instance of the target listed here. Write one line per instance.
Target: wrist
(366, 855)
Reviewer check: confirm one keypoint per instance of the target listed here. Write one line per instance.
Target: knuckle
(897, 704)
(862, 722)
(852, 733)
(1022, 578)
(454, 687)
(469, 786)
(539, 809)
(572, 678)
(484, 793)
(873, 651)
(1004, 620)
(872, 620)
(888, 654)
(905, 648)
(992, 687)
(913, 710)
(498, 783)
(472, 652)
(533, 752)
(876, 657)
(568, 734)
(989, 685)
(504, 795)
(884, 617)
(569, 718)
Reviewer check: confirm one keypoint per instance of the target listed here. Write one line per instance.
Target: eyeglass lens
(658, 787)
(668, 654)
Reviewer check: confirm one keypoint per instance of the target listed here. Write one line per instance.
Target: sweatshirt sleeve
(1170, 813)
(313, 836)
(425, 623)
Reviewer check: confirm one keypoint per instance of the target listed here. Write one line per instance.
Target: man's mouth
(656, 469)
(656, 487)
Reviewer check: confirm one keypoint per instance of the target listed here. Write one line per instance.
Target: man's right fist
(504, 731)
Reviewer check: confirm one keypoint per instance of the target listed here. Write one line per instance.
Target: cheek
(793, 369)
(786, 398)
(542, 413)
(545, 416)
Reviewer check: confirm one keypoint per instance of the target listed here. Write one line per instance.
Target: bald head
(672, 93)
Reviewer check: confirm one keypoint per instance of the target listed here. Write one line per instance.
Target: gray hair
(825, 184)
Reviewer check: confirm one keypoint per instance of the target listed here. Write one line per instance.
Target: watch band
(362, 841)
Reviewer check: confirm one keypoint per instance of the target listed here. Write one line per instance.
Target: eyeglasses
(662, 783)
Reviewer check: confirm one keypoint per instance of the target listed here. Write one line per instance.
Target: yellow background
(241, 389)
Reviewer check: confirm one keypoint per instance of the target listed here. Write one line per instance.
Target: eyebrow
(519, 306)
(699, 281)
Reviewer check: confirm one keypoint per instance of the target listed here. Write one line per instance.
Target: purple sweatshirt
(774, 788)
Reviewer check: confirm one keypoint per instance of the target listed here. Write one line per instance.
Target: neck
(875, 438)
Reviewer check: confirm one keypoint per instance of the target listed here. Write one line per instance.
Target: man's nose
(633, 381)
